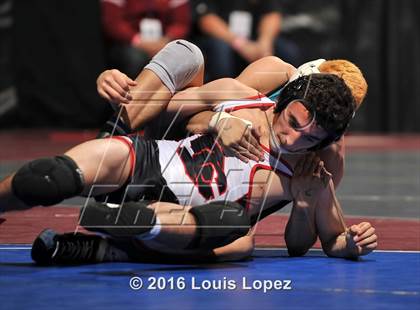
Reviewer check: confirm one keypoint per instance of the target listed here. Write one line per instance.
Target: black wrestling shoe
(51, 248)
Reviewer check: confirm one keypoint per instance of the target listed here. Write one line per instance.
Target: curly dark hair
(327, 95)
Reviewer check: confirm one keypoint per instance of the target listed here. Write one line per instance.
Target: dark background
(52, 51)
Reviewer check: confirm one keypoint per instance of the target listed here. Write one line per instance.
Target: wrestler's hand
(361, 239)
(114, 86)
(239, 139)
(309, 178)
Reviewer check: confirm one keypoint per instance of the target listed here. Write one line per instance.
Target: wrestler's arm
(199, 123)
(337, 240)
(333, 158)
(239, 249)
(308, 182)
(197, 99)
(316, 211)
(325, 219)
(301, 234)
(263, 75)
(266, 74)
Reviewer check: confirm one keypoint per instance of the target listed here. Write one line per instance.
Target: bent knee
(177, 64)
(47, 181)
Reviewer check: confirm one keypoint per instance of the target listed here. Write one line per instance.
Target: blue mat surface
(382, 280)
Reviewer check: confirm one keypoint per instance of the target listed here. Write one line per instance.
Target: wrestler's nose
(290, 138)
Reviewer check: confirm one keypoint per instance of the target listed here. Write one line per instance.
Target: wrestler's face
(295, 129)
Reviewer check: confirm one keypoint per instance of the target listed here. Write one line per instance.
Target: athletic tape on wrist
(222, 115)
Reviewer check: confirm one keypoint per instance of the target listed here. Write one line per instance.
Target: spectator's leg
(220, 58)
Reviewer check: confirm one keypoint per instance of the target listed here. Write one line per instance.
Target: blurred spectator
(137, 29)
(234, 33)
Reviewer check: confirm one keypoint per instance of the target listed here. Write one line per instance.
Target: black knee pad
(128, 220)
(219, 223)
(48, 181)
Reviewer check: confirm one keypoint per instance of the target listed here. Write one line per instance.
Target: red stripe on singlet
(132, 153)
(278, 158)
(249, 106)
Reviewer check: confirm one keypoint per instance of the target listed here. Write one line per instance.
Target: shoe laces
(75, 248)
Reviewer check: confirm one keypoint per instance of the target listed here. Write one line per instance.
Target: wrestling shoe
(51, 248)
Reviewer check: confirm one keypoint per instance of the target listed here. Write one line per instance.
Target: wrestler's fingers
(371, 246)
(256, 134)
(120, 79)
(325, 175)
(249, 151)
(364, 235)
(104, 95)
(363, 227)
(240, 156)
(250, 147)
(116, 87)
(131, 82)
(318, 168)
(253, 138)
(244, 151)
(353, 230)
(115, 97)
(367, 241)
(124, 81)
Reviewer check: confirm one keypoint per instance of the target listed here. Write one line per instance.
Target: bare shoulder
(220, 89)
(266, 74)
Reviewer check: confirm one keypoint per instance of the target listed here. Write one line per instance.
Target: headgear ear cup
(292, 91)
(307, 68)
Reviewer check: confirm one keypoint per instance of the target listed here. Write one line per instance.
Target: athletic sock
(152, 233)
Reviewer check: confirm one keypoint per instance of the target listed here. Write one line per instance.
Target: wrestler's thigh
(102, 161)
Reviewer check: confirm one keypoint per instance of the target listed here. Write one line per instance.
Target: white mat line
(320, 250)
